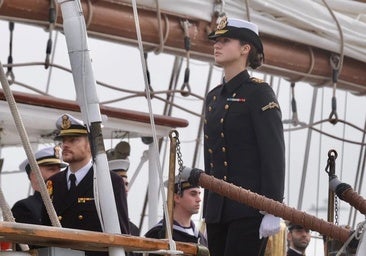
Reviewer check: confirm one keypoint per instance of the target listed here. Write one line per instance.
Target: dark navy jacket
(179, 233)
(243, 145)
(28, 210)
(79, 211)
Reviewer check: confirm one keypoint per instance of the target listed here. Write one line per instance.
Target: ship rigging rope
(27, 147)
(8, 216)
(247, 9)
(155, 150)
(311, 126)
(162, 39)
(357, 234)
(90, 13)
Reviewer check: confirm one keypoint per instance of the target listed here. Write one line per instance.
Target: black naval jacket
(79, 211)
(291, 252)
(179, 233)
(28, 210)
(244, 145)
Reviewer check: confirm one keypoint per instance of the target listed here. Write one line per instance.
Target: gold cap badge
(221, 22)
(66, 123)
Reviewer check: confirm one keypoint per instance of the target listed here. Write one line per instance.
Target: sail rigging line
(27, 147)
(162, 39)
(341, 37)
(357, 234)
(53, 12)
(358, 174)
(173, 82)
(319, 156)
(198, 144)
(304, 75)
(247, 9)
(311, 126)
(8, 216)
(10, 73)
(336, 64)
(90, 13)
(187, 46)
(325, 79)
(344, 133)
(307, 150)
(295, 119)
(155, 152)
(51, 25)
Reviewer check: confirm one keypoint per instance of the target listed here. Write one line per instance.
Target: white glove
(270, 225)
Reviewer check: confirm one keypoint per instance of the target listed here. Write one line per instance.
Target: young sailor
(186, 203)
(243, 143)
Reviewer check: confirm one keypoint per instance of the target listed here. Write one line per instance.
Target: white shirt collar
(79, 174)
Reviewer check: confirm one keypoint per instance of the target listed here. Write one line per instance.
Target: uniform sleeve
(22, 213)
(267, 119)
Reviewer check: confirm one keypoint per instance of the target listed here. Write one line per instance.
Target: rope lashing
(51, 20)
(187, 47)
(148, 75)
(9, 73)
(295, 119)
(334, 62)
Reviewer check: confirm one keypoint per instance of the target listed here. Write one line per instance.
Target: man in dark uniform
(243, 144)
(74, 203)
(298, 239)
(120, 166)
(29, 210)
(49, 161)
(187, 200)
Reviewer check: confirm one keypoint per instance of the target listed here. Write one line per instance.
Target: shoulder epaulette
(257, 80)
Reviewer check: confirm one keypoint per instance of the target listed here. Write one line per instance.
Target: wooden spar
(38, 111)
(86, 240)
(354, 199)
(68, 105)
(268, 205)
(113, 20)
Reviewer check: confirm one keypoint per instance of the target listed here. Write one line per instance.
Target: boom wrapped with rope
(262, 203)
(343, 190)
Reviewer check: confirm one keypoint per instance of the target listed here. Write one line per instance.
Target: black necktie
(72, 183)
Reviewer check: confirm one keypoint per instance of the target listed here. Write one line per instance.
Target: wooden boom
(87, 240)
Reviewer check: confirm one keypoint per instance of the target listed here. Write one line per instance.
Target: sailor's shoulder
(257, 80)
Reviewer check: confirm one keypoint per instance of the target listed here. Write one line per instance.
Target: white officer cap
(45, 156)
(120, 166)
(70, 126)
(238, 29)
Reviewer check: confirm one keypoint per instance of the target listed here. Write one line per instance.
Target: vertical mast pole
(85, 86)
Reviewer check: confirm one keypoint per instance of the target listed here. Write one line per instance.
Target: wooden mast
(113, 20)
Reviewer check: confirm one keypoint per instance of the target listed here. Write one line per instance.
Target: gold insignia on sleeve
(270, 106)
(66, 123)
(83, 200)
(49, 186)
(257, 80)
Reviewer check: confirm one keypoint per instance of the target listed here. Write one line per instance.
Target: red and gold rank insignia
(49, 186)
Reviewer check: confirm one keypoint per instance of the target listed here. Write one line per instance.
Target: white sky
(120, 66)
